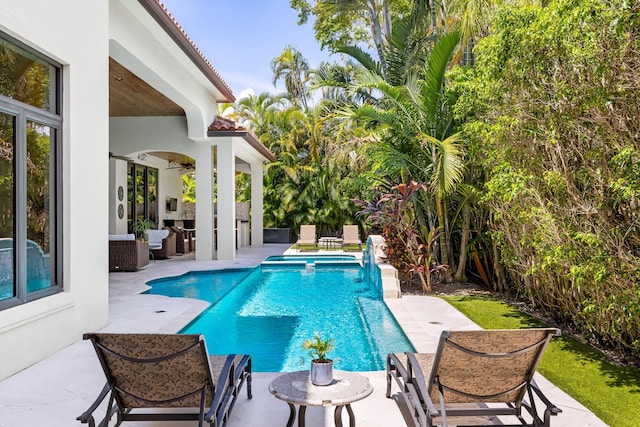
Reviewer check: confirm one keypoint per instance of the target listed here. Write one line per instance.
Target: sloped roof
(164, 18)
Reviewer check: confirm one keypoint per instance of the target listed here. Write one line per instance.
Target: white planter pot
(322, 372)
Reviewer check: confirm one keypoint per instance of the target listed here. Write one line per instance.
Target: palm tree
(418, 127)
(293, 68)
(259, 114)
(377, 13)
(335, 80)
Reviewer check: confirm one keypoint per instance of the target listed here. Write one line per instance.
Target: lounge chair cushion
(130, 236)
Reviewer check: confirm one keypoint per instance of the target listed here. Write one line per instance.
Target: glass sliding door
(142, 194)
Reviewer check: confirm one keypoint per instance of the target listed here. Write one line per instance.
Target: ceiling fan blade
(115, 156)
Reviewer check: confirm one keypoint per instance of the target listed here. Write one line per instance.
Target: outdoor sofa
(126, 253)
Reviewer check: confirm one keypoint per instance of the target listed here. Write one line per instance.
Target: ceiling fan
(115, 156)
(181, 166)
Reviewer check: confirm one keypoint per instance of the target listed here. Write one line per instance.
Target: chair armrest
(142, 250)
(397, 371)
(417, 378)
(243, 372)
(224, 388)
(87, 416)
(393, 363)
(553, 409)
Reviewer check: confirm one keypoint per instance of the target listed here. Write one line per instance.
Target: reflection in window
(39, 156)
(152, 195)
(7, 214)
(25, 77)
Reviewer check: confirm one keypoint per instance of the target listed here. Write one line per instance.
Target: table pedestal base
(337, 415)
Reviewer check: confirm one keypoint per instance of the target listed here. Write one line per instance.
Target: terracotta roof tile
(226, 127)
(222, 124)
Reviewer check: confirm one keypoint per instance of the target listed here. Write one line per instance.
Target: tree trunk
(464, 242)
(434, 17)
(386, 19)
(376, 31)
(501, 282)
(447, 237)
(444, 256)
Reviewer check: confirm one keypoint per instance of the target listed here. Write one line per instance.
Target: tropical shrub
(555, 99)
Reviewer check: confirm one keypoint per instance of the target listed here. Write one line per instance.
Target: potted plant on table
(321, 367)
(140, 227)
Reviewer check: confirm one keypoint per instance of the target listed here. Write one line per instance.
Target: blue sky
(241, 37)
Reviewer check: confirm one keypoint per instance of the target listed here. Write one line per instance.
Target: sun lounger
(474, 374)
(166, 377)
(307, 237)
(350, 237)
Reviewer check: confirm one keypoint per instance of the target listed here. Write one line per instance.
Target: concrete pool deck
(56, 390)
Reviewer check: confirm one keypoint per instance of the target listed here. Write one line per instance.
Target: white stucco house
(91, 94)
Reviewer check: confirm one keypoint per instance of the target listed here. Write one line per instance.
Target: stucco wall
(74, 33)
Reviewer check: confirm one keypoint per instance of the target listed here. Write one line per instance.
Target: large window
(30, 124)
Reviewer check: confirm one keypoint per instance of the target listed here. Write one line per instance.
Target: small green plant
(140, 226)
(318, 348)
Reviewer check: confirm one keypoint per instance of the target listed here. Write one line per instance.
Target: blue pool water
(269, 311)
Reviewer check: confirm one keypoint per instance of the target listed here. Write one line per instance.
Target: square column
(226, 187)
(204, 204)
(257, 195)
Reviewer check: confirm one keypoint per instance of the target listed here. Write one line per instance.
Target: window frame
(23, 113)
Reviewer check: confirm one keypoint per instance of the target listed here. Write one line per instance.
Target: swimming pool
(269, 311)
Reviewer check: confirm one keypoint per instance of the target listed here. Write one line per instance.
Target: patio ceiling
(129, 96)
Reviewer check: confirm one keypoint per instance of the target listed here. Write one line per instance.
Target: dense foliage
(552, 105)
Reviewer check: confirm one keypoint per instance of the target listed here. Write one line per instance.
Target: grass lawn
(612, 392)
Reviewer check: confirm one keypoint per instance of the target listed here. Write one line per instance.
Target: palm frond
(434, 72)
(363, 58)
(449, 168)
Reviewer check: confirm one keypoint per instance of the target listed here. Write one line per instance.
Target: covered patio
(163, 123)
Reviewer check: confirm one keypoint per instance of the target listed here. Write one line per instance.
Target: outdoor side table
(329, 242)
(296, 388)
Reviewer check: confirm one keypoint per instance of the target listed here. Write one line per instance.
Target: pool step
(304, 263)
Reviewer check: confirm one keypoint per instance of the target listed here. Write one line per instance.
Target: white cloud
(245, 93)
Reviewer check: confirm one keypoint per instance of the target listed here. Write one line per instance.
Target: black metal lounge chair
(154, 377)
(475, 374)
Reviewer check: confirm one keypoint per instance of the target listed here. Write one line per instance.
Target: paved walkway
(56, 390)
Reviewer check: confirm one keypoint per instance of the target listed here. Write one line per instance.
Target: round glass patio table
(296, 388)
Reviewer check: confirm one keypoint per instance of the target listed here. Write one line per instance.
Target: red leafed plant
(409, 245)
